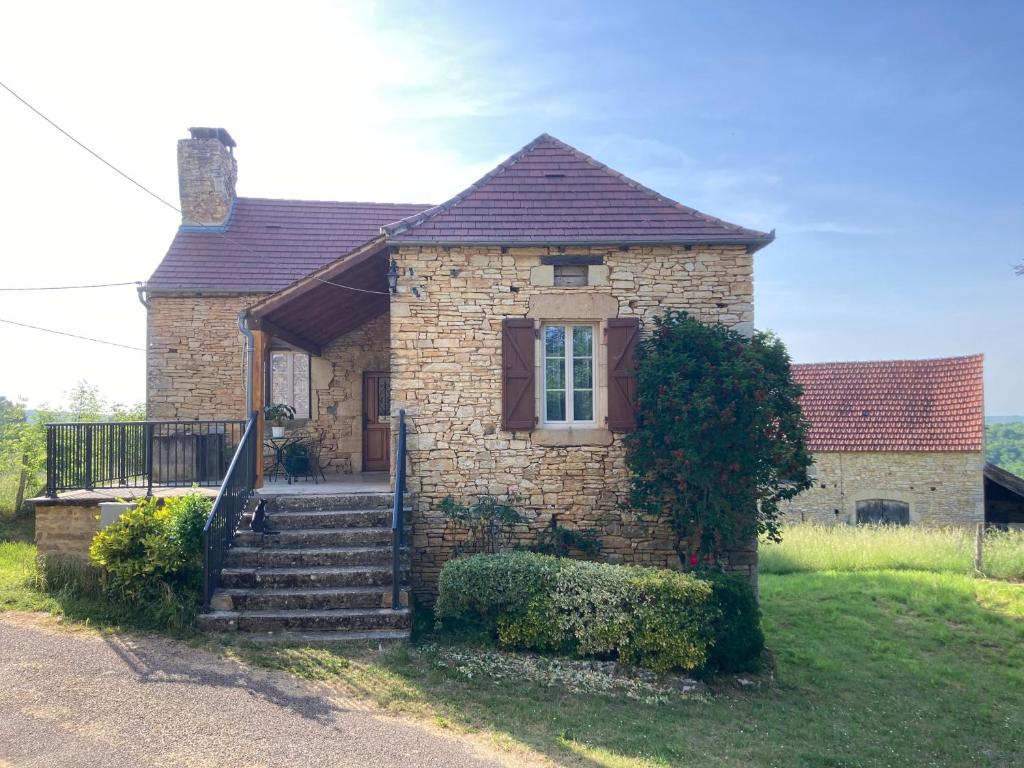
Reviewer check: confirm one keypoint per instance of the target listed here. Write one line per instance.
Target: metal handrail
(396, 516)
(229, 506)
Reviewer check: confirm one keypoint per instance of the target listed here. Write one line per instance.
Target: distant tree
(1004, 445)
(721, 440)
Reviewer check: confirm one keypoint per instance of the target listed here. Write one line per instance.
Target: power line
(72, 335)
(72, 287)
(350, 287)
(151, 194)
(94, 154)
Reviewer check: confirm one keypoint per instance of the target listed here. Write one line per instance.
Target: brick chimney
(207, 173)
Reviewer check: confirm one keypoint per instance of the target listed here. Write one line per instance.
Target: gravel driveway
(77, 699)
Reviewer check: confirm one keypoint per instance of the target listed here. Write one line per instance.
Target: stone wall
(446, 371)
(195, 361)
(941, 488)
(66, 529)
(337, 387)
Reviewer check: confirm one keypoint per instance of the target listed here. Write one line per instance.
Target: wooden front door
(376, 422)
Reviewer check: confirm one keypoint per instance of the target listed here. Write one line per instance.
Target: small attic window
(570, 274)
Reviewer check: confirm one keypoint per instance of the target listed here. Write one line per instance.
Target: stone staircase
(320, 573)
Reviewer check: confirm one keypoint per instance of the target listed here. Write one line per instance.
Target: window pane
(300, 385)
(554, 340)
(582, 373)
(583, 405)
(582, 341)
(554, 373)
(556, 405)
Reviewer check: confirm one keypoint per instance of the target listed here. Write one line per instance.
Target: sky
(882, 142)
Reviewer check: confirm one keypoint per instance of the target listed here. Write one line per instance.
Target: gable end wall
(446, 371)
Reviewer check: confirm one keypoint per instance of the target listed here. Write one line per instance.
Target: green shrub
(655, 618)
(488, 521)
(560, 541)
(151, 559)
(738, 640)
(509, 595)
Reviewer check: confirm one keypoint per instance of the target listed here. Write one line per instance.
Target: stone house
(899, 441)
(501, 321)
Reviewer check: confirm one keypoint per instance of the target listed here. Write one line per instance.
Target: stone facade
(195, 357)
(941, 488)
(446, 368)
(66, 529)
(337, 391)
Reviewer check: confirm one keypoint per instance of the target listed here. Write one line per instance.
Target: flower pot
(277, 431)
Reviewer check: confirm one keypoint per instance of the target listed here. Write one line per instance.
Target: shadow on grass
(874, 668)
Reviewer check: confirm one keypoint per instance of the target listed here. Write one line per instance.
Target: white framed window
(569, 373)
(289, 380)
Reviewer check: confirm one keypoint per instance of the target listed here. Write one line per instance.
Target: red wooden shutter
(518, 408)
(622, 337)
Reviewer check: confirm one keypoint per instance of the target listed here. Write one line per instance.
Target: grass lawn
(879, 668)
(872, 668)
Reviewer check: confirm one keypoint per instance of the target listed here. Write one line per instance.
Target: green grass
(884, 667)
(66, 587)
(808, 548)
(873, 668)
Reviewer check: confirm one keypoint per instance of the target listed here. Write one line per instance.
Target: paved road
(76, 699)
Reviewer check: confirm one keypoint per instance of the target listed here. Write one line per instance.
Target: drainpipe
(250, 348)
(141, 289)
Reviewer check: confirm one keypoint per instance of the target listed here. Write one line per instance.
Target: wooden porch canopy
(336, 299)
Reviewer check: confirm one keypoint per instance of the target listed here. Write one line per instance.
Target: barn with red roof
(895, 441)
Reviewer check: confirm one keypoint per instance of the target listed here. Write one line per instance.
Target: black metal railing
(396, 516)
(228, 508)
(139, 454)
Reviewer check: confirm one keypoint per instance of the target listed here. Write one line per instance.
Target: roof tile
(894, 405)
(268, 244)
(566, 197)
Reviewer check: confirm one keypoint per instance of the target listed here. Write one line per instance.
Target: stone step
(349, 619)
(330, 518)
(382, 636)
(309, 502)
(305, 598)
(330, 576)
(280, 557)
(316, 537)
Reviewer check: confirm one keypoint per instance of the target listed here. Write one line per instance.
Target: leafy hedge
(151, 559)
(654, 618)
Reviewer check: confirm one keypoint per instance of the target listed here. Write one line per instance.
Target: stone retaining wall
(66, 529)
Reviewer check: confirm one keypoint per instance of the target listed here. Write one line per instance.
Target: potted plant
(296, 459)
(277, 413)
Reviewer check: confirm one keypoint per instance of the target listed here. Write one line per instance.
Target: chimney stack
(207, 173)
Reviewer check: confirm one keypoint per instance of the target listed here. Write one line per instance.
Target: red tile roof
(894, 405)
(549, 192)
(267, 244)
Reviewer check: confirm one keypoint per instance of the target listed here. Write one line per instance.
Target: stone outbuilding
(899, 441)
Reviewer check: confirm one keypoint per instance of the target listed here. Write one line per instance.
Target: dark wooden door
(376, 422)
(883, 511)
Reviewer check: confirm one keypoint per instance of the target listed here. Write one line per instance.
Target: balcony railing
(139, 454)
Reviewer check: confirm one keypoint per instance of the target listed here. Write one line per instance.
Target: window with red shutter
(518, 403)
(623, 333)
